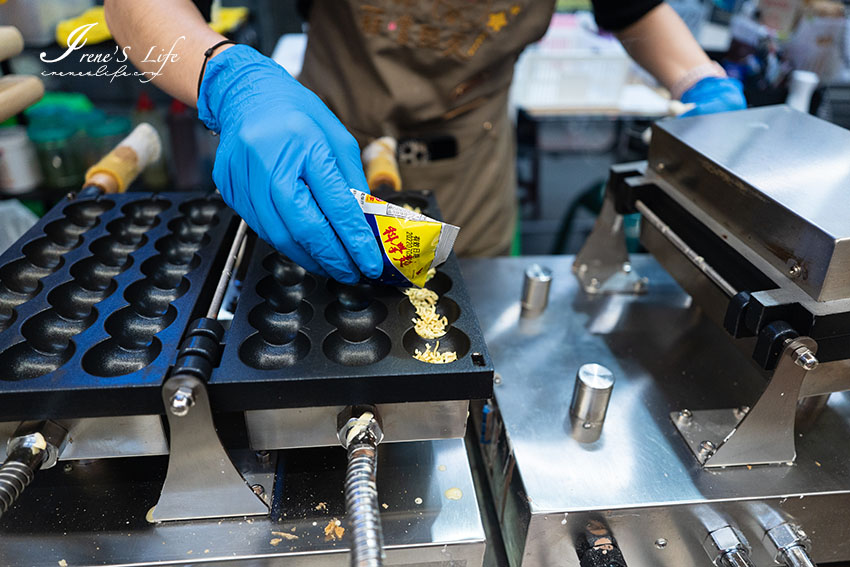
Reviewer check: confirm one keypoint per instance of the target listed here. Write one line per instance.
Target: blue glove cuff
(230, 79)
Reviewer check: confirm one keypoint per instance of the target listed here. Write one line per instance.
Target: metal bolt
(795, 271)
(627, 267)
(497, 379)
(68, 468)
(258, 489)
(263, 457)
(661, 543)
(686, 416)
(706, 450)
(181, 401)
(805, 358)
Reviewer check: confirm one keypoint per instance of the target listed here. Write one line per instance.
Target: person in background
(434, 72)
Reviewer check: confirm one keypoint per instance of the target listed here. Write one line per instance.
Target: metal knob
(535, 290)
(591, 394)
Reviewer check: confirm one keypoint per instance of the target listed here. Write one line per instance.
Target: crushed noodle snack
(434, 356)
(429, 325)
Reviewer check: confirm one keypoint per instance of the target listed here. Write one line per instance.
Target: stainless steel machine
(687, 406)
(145, 420)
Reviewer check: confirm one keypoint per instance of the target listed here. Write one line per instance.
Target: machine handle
(117, 169)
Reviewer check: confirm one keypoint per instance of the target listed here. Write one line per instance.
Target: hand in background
(715, 94)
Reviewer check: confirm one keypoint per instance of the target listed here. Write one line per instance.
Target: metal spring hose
(361, 502)
(17, 473)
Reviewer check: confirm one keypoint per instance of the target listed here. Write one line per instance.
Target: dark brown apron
(425, 69)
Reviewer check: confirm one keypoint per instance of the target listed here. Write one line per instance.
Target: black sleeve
(205, 6)
(615, 15)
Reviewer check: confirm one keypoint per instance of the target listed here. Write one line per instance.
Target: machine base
(93, 513)
(640, 478)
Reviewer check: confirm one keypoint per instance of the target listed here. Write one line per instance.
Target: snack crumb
(385, 506)
(322, 506)
(286, 536)
(275, 541)
(334, 530)
(62, 563)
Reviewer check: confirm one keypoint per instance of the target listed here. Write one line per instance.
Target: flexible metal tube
(361, 503)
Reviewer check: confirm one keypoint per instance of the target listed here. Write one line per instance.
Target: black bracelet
(207, 54)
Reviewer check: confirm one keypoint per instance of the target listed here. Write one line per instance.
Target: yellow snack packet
(412, 243)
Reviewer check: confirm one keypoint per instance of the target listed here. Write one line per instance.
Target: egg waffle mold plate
(94, 300)
(299, 340)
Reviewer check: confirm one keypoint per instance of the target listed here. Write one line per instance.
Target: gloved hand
(715, 94)
(285, 164)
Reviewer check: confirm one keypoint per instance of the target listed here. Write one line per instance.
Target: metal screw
(627, 267)
(181, 401)
(795, 271)
(706, 450)
(258, 489)
(805, 358)
(686, 415)
(497, 378)
(661, 543)
(68, 468)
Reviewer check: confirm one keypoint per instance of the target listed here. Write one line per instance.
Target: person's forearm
(662, 44)
(163, 24)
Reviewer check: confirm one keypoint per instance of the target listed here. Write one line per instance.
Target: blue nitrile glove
(285, 164)
(715, 94)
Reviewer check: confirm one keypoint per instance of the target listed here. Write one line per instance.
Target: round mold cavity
(284, 299)
(259, 354)
(127, 232)
(149, 300)
(440, 283)
(201, 211)
(8, 315)
(108, 359)
(410, 200)
(44, 253)
(73, 301)
(112, 252)
(22, 362)
(90, 274)
(445, 308)
(454, 340)
(86, 213)
(64, 233)
(165, 275)
(279, 328)
(353, 297)
(351, 353)
(22, 277)
(145, 211)
(284, 270)
(356, 326)
(177, 251)
(49, 333)
(134, 331)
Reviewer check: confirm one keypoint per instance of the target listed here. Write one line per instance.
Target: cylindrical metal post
(591, 393)
(535, 290)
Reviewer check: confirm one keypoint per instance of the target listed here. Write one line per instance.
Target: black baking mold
(299, 340)
(95, 298)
